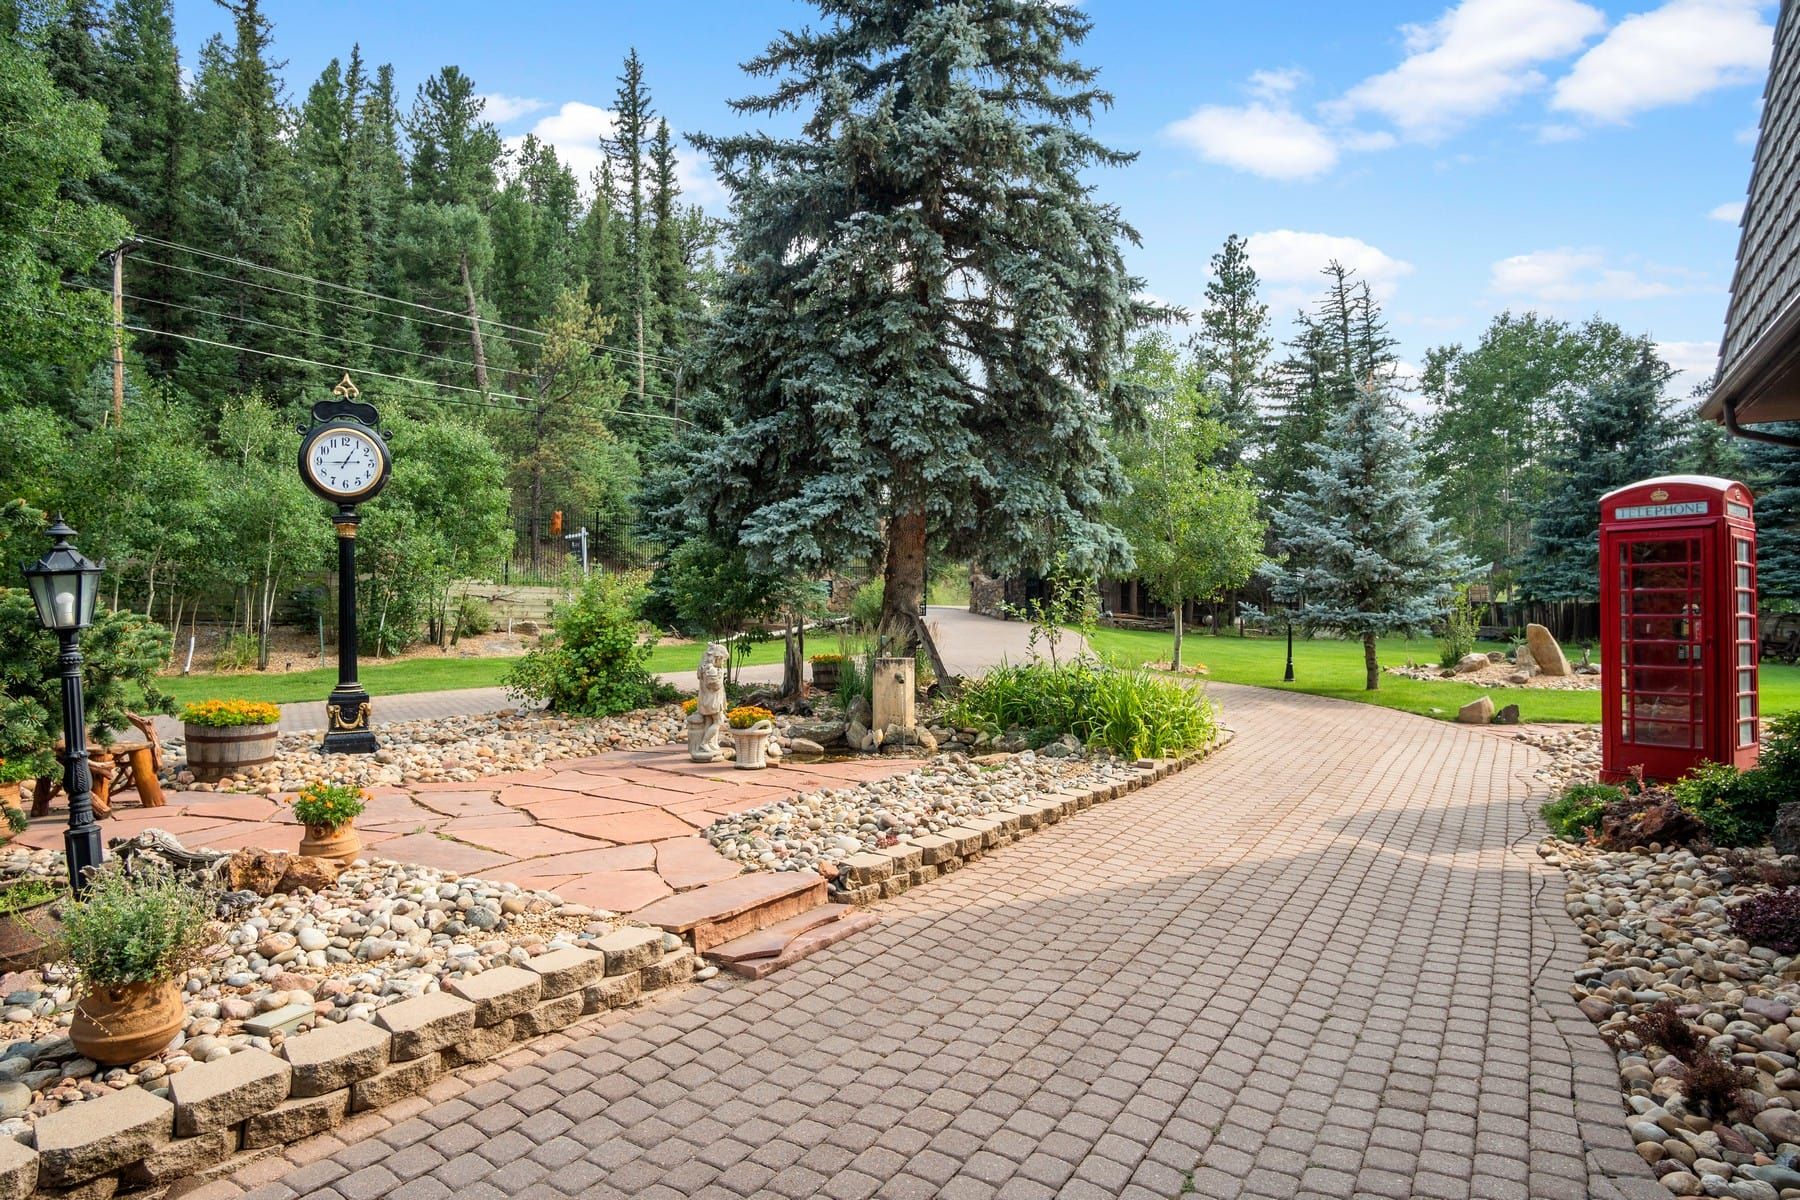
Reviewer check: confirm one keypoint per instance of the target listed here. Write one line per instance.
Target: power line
(356, 291)
(538, 402)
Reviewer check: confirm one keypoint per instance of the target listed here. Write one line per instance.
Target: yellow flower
(746, 715)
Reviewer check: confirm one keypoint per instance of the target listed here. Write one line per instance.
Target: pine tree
(381, 172)
(1362, 553)
(918, 341)
(1774, 475)
(600, 250)
(325, 159)
(631, 134)
(1619, 433)
(1232, 347)
(672, 304)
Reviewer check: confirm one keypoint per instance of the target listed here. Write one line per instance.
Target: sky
(1575, 157)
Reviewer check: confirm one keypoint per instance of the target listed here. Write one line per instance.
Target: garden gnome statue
(709, 713)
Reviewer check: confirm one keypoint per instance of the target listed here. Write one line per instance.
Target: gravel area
(1574, 752)
(1657, 928)
(830, 825)
(384, 932)
(454, 749)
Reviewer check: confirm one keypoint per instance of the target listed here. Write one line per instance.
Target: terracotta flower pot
(337, 842)
(752, 745)
(28, 937)
(115, 1026)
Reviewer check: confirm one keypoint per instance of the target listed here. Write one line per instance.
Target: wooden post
(893, 694)
(118, 357)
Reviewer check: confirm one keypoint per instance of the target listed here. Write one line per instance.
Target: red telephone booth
(1678, 638)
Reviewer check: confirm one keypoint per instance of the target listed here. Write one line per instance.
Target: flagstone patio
(618, 831)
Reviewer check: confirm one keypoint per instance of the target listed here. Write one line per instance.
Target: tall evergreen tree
(1774, 475)
(672, 303)
(1232, 346)
(627, 149)
(1619, 432)
(920, 334)
(1362, 553)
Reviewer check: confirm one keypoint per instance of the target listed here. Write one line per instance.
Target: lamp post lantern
(344, 459)
(63, 585)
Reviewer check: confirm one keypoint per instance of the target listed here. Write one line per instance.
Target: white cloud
(1265, 139)
(1694, 362)
(1271, 85)
(1471, 61)
(500, 109)
(576, 130)
(1731, 212)
(1567, 275)
(1290, 260)
(1669, 55)
(1558, 132)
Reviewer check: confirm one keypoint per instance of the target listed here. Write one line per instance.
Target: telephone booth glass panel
(1745, 644)
(1662, 686)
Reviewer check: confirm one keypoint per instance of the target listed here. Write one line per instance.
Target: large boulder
(313, 874)
(1785, 837)
(825, 733)
(1471, 662)
(1545, 652)
(1478, 711)
(259, 871)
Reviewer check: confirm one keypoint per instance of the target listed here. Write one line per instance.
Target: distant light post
(1288, 675)
(63, 585)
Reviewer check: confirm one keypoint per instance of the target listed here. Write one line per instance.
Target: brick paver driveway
(1321, 964)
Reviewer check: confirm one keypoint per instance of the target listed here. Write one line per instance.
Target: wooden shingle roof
(1759, 362)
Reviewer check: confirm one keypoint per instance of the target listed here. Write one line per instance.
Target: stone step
(808, 943)
(767, 943)
(712, 915)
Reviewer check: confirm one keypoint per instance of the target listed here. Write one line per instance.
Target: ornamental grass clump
(230, 714)
(748, 716)
(141, 926)
(1132, 713)
(330, 805)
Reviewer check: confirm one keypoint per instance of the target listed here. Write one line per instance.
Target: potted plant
(225, 737)
(328, 810)
(750, 726)
(29, 929)
(131, 938)
(825, 668)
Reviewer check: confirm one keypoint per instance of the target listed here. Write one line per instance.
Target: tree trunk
(1175, 662)
(793, 662)
(479, 350)
(900, 629)
(1371, 668)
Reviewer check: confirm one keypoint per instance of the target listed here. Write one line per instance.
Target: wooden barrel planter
(825, 674)
(214, 753)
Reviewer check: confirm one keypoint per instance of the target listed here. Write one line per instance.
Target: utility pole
(118, 274)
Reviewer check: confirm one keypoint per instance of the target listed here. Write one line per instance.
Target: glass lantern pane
(1746, 733)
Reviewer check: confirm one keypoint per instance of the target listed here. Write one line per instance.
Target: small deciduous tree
(1194, 527)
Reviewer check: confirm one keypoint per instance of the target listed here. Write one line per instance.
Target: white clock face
(344, 462)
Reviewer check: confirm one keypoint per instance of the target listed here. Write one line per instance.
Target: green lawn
(1335, 668)
(423, 675)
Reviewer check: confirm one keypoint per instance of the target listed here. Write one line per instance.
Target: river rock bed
(1656, 926)
(816, 828)
(445, 749)
(384, 932)
(1574, 752)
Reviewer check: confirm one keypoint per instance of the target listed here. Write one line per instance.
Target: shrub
(591, 664)
(1712, 1085)
(746, 716)
(1572, 814)
(865, 606)
(473, 616)
(856, 679)
(1663, 1025)
(1130, 712)
(145, 926)
(1779, 759)
(1737, 807)
(22, 894)
(1651, 816)
(1462, 620)
(1771, 920)
(230, 714)
(240, 652)
(331, 804)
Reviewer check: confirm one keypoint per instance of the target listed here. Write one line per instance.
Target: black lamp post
(1288, 675)
(63, 585)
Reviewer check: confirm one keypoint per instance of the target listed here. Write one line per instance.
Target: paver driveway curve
(1325, 963)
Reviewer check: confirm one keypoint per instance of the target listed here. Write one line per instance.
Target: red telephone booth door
(1662, 686)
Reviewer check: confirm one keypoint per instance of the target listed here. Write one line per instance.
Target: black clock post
(352, 422)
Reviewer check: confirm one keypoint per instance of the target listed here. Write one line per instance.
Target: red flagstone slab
(733, 897)
(504, 819)
(135, 821)
(572, 805)
(451, 785)
(569, 781)
(460, 804)
(616, 891)
(689, 862)
(640, 857)
(264, 835)
(420, 822)
(523, 841)
(227, 804)
(670, 781)
(429, 850)
(525, 875)
(647, 826)
(523, 797)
